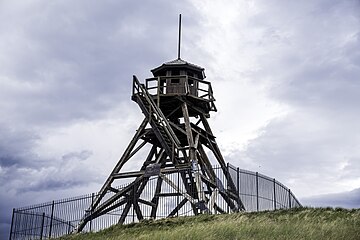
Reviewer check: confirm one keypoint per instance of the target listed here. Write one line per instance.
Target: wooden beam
(140, 200)
(206, 163)
(172, 112)
(188, 131)
(119, 165)
(109, 209)
(173, 185)
(137, 149)
(155, 199)
(178, 207)
(141, 172)
(212, 200)
(125, 213)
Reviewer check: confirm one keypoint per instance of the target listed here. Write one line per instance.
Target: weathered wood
(213, 197)
(171, 113)
(120, 163)
(188, 131)
(137, 209)
(116, 196)
(109, 209)
(146, 202)
(178, 207)
(136, 149)
(155, 199)
(207, 165)
(173, 185)
(175, 148)
(125, 212)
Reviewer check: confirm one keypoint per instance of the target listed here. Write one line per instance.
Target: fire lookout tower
(176, 103)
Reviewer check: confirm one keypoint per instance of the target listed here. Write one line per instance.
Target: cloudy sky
(285, 75)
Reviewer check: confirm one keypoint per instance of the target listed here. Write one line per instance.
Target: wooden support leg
(155, 199)
(121, 162)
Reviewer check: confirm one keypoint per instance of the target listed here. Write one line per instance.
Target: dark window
(191, 82)
(176, 80)
(175, 72)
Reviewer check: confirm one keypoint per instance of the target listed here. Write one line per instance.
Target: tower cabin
(179, 81)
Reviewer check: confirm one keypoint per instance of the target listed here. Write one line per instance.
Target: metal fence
(57, 218)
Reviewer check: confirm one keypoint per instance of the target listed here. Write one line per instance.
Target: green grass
(305, 223)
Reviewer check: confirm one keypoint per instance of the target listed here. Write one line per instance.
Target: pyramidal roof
(177, 62)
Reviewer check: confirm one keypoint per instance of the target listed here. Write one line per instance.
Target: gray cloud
(65, 63)
(16, 147)
(349, 199)
(308, 58)
(70, 61)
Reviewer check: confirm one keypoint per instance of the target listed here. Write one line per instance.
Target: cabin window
(175, 81)
(175, 72)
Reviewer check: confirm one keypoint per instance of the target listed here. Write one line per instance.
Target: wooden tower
(176, 103)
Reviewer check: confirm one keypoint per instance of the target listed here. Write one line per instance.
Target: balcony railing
(185, 85)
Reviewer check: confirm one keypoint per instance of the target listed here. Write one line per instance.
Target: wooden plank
(173, 185)
(178, 207)
(124, 213)
(109, 209)
(155, 199)
(175, 194)
(140, 200)
(188, 131)
(117, 195)
(136, 149)
(172, 112)
(207, 164)
(119, 165)
(138, 210)
(212, 200)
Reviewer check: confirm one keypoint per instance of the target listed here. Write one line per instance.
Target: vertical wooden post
(274, 194)
(12, 223)
(51, 218)
(257, 191)
(42, 226)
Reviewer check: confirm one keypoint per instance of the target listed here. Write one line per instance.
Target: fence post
(133, 218)
(69, 227)
(227, 185)
(91, 211)
(12, 222)
(42, 226)
(178, 192)
(289, 198)
(238, 181)
(257, 191)
(274, 194)
(51, 218)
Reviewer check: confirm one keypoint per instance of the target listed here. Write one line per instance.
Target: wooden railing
(199, 88)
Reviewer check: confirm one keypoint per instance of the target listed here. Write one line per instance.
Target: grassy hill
(305, 223)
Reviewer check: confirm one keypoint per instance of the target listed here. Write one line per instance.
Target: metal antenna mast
(179, 41)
